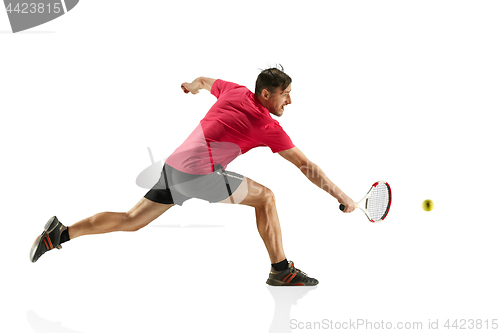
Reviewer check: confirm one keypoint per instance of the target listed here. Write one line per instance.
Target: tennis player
(238, 121)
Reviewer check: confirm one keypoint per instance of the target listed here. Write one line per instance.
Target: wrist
(339, 195)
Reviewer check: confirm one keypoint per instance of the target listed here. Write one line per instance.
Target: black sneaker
(49, 239)
(290, 277)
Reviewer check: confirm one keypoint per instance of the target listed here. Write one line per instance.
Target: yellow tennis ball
(428, 205)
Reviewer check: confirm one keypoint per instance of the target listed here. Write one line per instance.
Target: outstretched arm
(197, 84)
(317, 176)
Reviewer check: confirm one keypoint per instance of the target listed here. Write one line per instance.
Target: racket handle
(342, 207)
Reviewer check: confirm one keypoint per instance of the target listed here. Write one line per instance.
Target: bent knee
(268, 197)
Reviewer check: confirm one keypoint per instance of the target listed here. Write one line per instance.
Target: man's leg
(56, 233)
(143, 213)
(251, 193)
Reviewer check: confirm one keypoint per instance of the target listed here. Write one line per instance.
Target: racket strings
(379, 201)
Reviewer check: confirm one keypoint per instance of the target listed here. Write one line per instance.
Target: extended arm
(317, 176)
(197, 84)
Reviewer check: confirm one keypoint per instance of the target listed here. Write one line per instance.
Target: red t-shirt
(236, 123)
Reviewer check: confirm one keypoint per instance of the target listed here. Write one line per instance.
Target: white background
(403, 91)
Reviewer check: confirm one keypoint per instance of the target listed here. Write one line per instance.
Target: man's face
(277, 101)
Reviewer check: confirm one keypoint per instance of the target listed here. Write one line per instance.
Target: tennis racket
(376, 203)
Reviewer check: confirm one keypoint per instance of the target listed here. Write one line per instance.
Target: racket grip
(341, 207)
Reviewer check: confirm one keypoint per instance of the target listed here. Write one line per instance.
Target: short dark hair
(271, 79)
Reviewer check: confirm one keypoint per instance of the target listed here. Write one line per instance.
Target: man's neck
(261, 101)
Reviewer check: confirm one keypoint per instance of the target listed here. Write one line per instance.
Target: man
(239, 121)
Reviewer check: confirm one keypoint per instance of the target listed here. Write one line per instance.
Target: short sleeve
(276, 138)
(219, 87)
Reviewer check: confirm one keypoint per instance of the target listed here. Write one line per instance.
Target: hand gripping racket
(376, 203)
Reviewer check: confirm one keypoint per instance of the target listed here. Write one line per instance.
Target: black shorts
(180, 186)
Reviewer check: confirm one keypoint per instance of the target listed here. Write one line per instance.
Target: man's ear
(265, 94)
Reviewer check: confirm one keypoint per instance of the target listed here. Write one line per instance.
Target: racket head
(378, 201)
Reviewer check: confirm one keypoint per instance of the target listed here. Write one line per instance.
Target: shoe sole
(49, 227)
(278, 283)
